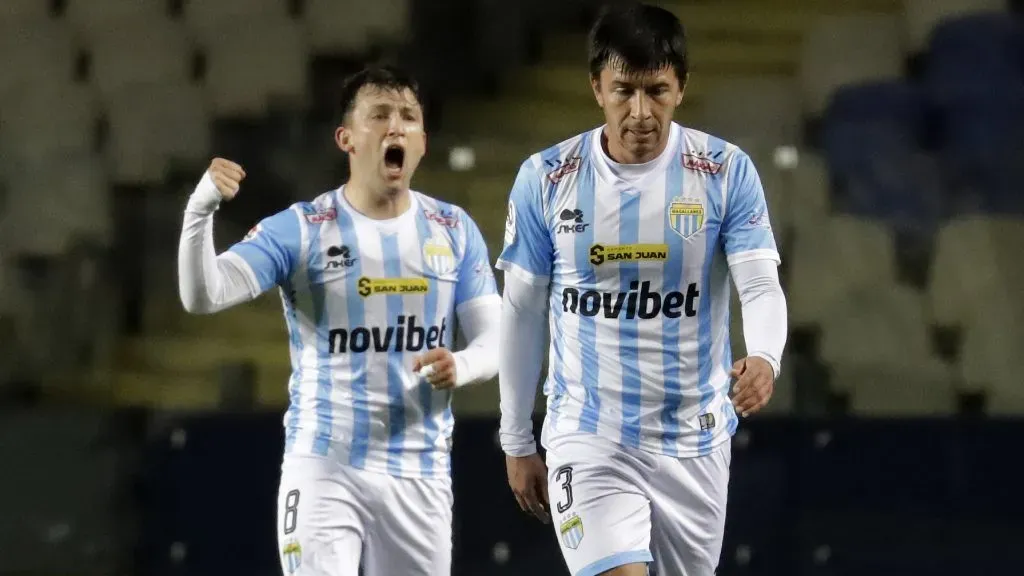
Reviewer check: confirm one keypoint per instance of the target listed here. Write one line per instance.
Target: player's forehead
(618, 72)
(375, 97)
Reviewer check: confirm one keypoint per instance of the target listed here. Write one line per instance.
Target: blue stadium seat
(897, 103)
(981, 148)
(879, 170)
(975, 57)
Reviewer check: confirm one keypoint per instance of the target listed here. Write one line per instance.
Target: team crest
(572, 532)
(438, 256)
(292, 554)
(685, 216)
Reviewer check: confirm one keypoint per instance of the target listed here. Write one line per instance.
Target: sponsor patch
(700, 163)
(373, 286)
(602, 254)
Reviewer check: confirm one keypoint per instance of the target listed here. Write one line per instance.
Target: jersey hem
(551, 434)
(522, 274)
(751, 255)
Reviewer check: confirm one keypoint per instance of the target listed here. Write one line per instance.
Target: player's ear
(682, 89)
(595, 85)
(343, 138)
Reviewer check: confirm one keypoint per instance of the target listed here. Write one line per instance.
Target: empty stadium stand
(891, 166)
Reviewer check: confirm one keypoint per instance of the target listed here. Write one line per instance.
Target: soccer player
(631, 232)
(371, 276)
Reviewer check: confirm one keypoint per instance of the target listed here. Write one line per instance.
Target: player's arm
(208, 282)
(526, 261)
(753, 259)
(478, 308)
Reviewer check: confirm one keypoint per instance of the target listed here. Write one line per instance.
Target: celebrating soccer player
(370, 276)
(631, 233)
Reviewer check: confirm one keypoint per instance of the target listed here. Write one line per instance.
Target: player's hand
(440, 368)
(755, 382)
(227, 176)
(528, 478)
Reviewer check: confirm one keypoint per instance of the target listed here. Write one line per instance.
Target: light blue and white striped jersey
(637, 260)
(362, 298)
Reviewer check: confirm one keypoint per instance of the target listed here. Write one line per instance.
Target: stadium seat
(983, 138)
(49, 205)
(40, 127)
(248, 68)
(834, 257)
(840, 50)
(754, 112)
(94, 19)
(35, 54)
(895, 103)
(207, 20)
(24, 12)
(136, 152)
(974, 58)
(920, 17)
(335, 27)
(155, 52)
(877, 345)
(990, 359)
(976, 266)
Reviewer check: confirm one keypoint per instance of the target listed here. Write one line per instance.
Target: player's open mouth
(394, 159)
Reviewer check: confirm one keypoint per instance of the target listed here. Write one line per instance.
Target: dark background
(889, 135)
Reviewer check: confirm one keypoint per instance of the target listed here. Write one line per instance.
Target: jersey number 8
(291, 511)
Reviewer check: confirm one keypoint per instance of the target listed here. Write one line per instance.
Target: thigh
(599, 509)
(411, 533)
(689, 502)
(319, 518)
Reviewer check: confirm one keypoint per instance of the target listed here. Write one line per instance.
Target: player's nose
(396, 126)
(639, 106)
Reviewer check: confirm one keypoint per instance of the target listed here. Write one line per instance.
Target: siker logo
(572, 222)
(639, 302)
(344, 256)
(404, 336)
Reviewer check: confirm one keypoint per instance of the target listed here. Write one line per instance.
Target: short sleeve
(528, 251)
(476, 278)
(747, 230)
(272, 248)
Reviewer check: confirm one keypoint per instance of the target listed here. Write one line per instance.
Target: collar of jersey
(388, 225)
(603, 164)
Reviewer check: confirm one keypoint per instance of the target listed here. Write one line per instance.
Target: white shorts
(331, 518)
(612, 506)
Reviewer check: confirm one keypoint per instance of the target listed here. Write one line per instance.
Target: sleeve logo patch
(510, 223)
(252, 233)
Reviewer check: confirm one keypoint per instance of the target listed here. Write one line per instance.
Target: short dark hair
(638, 37)
(385, 77)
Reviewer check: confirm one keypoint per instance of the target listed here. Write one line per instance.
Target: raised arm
(208, 282)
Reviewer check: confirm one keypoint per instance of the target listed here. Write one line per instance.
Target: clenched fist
(227, 176)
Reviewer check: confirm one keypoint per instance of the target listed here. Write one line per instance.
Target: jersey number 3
(564, 475)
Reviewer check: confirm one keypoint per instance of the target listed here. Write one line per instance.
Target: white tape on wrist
(426, 371)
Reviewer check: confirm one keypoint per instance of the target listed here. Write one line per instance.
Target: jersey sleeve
(475, 276)
(528, 252)
(272, 248)
(746, 229)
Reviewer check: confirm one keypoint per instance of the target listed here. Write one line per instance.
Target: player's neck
(618, 153)
(377, 204)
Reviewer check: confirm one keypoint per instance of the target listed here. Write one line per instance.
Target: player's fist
(755, 382)
(437, 366)
(227, 176)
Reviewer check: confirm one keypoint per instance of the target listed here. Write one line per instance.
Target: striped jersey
(636, 257)
(362, 298)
